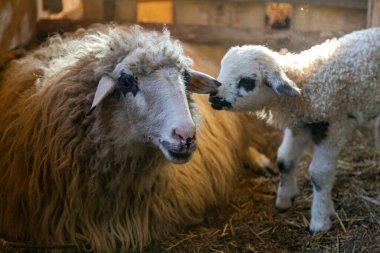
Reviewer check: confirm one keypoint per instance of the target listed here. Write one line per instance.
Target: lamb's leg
(377, 133)
(322, 170)
(322, 174)
(292, 147)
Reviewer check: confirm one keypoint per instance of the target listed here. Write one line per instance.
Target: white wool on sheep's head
(152, 81)
(251, 78)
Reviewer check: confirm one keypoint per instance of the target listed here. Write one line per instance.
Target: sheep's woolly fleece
(146, 51)
(61, 182)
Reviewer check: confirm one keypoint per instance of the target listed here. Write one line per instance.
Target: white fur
(292, 147)
(336, 82)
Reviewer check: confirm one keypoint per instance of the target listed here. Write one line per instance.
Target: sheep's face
(162, 112)
(157, 107)
(251, 80)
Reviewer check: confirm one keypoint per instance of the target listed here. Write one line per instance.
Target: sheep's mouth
(180, 156)
(177, 153)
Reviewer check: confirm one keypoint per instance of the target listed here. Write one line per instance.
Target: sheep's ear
(105, 86)
(281, 84)
(199, 82)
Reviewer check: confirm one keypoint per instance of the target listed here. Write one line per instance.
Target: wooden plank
(93, 10)
(155, 11)
(109, 9)
(323, 18)
(126, 10)
(219, 13)
(350, 4)
(373, 13)
(228, 36)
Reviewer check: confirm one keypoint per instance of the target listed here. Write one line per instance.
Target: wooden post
(373, 13)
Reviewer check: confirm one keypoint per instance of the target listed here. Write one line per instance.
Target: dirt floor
(252, 224)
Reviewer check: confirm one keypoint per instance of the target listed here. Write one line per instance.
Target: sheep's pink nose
(185, 135)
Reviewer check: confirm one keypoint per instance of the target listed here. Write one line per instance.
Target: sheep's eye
(247, 83)
(128, 83)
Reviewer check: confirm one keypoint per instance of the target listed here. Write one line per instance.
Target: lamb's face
(251, 80)
(158, 109)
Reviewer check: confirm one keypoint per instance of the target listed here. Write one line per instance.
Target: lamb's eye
(247, 83)
(128, 83)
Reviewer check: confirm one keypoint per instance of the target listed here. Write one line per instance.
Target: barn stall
(249, 223)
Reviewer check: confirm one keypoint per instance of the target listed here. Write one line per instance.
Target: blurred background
(292, 24)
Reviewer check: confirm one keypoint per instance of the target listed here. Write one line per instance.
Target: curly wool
(70, 178)
(337, 78)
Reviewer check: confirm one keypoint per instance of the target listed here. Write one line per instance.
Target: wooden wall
(17, 23)
(307, 15)
(236, 20)
(251, 14)
(108, 10)
(219, 13)
(327, 18)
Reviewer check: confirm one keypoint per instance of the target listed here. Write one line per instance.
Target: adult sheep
(88, 125)
(320, 96)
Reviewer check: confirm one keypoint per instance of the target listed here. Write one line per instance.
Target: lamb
(89, 124)
(319, 96)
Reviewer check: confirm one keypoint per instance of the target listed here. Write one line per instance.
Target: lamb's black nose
(218, 102)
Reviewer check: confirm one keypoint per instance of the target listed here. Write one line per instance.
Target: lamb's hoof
(320, 226)
(284, 203)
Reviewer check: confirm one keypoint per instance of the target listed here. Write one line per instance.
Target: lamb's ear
(281, 84)
(199, 82)
(105, 86)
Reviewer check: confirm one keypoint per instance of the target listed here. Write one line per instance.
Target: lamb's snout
(219, 103)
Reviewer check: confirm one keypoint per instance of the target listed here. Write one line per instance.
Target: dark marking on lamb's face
(247, 83)
(128, 83)
(350, 116)
(315, 185)
(218, 103)
(284, 168)
(318, 130)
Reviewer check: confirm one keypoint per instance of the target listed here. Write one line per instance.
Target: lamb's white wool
(320, 95)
